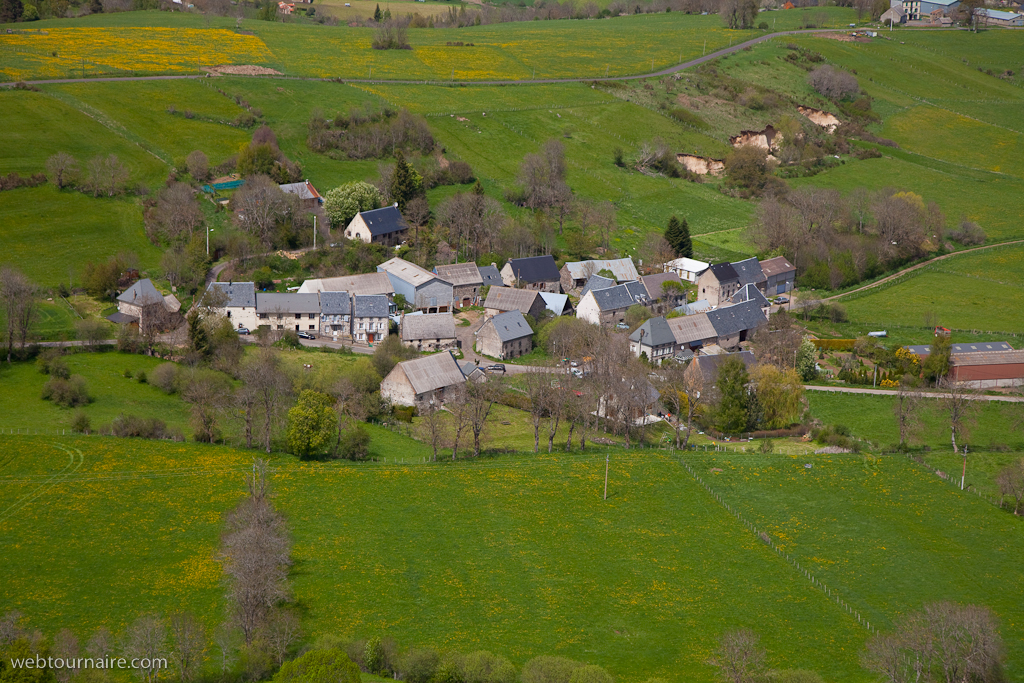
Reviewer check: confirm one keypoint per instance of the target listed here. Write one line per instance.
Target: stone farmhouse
(380, 226)
(506, 335)
(429, 331)
(370, 319)
(146, 308)
(336, 314)
(608, 306)
(292, 311)
(502, 299)
(536, 272)
(423, 290)
(236, 301)
(655, 339)
(422, 380)
(574, 274)
(719, 282)
(369, 283)
(466, 282)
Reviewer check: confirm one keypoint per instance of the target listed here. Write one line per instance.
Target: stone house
(608, 306)
(291, 311)
(421, 380)
(502, 299)
(750, 293)
(735, 324)
(429, 331)
(654, 338)
(370, 319)
(716, 284)
(423, 290)
(574, 274)
(142, 305)
(380, 226)
(236, 301)
(536, 272)
(336, 314)
(693, 332)
(506, 335)
(466, 282)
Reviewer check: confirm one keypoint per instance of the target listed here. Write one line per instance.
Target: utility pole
(963, 476)
(606, 456)
(314, 231)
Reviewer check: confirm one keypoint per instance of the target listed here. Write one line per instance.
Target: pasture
(518, 555)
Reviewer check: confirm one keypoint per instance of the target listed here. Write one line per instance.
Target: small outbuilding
(506, 335)
(536, 272)
(380, 226)
(422, 380)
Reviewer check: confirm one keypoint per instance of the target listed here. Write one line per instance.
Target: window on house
(264, 316)
(311, 315)
(229, 314)
(312, 327)
(360, 326)
(280, 327)
(298, 315)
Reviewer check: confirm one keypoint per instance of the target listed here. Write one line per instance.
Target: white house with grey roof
(506, 335)
(335, 314)
(423, 290)
(370, 318)
(429, 331)
(380, 226)
(655, 339)
(291, 311)
(236, 301)
(608, 306)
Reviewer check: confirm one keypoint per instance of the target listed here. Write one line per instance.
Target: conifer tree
(677, 234)
(377, 16)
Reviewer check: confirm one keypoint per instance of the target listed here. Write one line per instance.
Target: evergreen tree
(197, 337)
(377, 16)
(406, 183)
(733, 414)
(677, 234)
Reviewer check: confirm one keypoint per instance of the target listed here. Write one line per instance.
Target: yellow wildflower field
(64, 52)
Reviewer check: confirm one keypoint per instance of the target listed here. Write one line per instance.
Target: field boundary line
(57, 478)
(763, 536)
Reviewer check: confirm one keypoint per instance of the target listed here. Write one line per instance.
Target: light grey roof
(556, 303)
(510, 325)
(409, 272)
(596, 282)
(692, 328)
(919, 349)
(655, 284)
(142, 293)
(428, 326)
(733, 319)
(239, 294)
(491, 276)
(989, 358)
(708, 365)
(432, 372)
(460, 274)
(980, 347)
(335, 303)
(304, 190)
(750, 292)
(370, 306)
(654, 332)
(273, 302)
(749, 271)
(509, 298)
(620, 296)
(998, 14)
(622, 268)
(698, 306)
(367, 283)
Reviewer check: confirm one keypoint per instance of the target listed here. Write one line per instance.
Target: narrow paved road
(926, 394)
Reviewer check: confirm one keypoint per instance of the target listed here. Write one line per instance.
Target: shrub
(80, 424)
(140, 376)
(968, 233)
(766, 446)
(355, 443)
(67, 393)
(50, 363)
(833, 83)
(165, 378)
(461, 172)
(128, 374)
(688, 117)
(144, 427)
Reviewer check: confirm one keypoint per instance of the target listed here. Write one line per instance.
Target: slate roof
(384, 221)
(428, 326)
(509, 298)
(733, 319)
(692, 328)
(622, 268)
(122, 318)
(293, 302)
(998, 14)
(370, 306)
(724, 272)
(142, 293)
(432, 372)
(777, 265)
(619, 296)
(749, 292)
(596, 282)
(962, 349)
(304, 190)
(535, 269)
(490, 276)
(510, 325)
(655, 284)
(989, 358)
(654, 332)
(708, 365)
(410, 272)
(749, 271)
(335, 303)
(460, 274)
(368, 283)
(239, 294)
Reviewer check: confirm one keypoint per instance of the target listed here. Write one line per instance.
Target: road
(926, 394)
(536, 81)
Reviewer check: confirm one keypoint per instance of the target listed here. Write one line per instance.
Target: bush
(354, 443)
(140, 376)
(128, 374)
(969, 233)
(51, 363)
(833, 83)
(67, 393)
(80, 424)
(144, 427)
(461, 172)
(165, 378)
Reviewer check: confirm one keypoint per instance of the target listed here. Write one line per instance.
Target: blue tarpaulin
(209, 189)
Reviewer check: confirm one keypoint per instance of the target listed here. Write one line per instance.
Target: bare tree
(283, 629)
(106, 175)
(261, 396)
(432, 425)
(225, 637)
(543, 177)
(1011, 483)
(188, 645)
(740, 657)
(256, 554)
(178, 211)
(258, 206)
(457, 401)
(10, 627)
(655, 251)
(482, 396)
(18, 297)
(959, 404)
(62, 168)
(537, 384)
(198, 166)
(207, 392)
(833, 83)
(65, 646)
(682, 391)
(145, 642)
(906, 408)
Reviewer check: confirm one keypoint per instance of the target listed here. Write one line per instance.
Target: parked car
(577, 373)
(496, 367)
(307, 335)
(243, 330)
(622, 326)
(782, 299)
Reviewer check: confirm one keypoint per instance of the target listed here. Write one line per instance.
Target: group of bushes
(63, 388)
(369, 133)
(13, 181)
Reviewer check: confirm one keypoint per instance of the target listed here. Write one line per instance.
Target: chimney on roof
(395, 205)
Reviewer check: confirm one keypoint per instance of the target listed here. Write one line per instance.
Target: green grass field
(518, 555)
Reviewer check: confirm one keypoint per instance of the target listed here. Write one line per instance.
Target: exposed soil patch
(245, 70)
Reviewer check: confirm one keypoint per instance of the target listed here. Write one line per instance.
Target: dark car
(243, 330)
(497, 367)
(307, 335)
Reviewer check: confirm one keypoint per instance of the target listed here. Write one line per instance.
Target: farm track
(925, 394)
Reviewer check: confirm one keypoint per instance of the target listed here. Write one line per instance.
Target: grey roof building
(535, 272)
(417, 381)
(367, 283)
(335, 303)
(274, 302)
(609, 305)
(749, 272)
(142, 293)
(654, 338)
(708, 365)
(596, 282)
(750, 292)
(370, 306)
(429, 331)
(490, 276)
(236, 294)
(506, 335)
(734, 324)
(693, 331)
